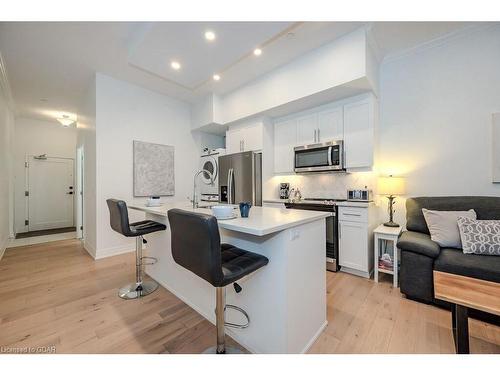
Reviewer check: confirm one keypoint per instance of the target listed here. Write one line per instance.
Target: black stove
(332, 240)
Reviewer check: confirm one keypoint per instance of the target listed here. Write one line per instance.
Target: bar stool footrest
(234, 325)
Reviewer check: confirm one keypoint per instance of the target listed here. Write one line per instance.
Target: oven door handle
(330, 150)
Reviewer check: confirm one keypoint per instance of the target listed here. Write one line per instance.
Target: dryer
(209, 161)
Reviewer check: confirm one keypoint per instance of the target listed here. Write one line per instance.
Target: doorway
(49, 194)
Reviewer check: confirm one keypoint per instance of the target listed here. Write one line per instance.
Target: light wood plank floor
(55, 294)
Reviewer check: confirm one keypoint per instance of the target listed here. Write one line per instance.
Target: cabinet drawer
(357, 214)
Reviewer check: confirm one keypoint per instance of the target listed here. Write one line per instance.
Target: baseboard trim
(315, 337)
(3, 247)
(112, 251)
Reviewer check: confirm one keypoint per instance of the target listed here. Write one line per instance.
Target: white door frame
(28, 158)
(79, 191)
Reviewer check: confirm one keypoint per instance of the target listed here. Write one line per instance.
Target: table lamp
(391, 186)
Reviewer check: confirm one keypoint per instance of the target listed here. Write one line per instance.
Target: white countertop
(261, 221)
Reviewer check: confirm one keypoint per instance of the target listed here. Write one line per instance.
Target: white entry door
(51, 192)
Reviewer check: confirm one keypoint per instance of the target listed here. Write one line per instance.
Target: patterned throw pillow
(479, 236)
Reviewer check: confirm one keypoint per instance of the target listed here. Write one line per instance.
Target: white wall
(86, 137)
(35, 137)
(124, 113)
(334, 64)
(6, 186)
(436, 109)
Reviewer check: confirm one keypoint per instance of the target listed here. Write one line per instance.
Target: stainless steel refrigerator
(240, 178)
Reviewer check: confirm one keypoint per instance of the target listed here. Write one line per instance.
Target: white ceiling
(51, 64)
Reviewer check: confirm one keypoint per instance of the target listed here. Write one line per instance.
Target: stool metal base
(229, 350)
(133, 291)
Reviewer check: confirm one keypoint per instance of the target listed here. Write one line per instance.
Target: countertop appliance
(240, 178)
(332, 222)
(284, 190)
(319, 157)
(359, 195)
(209, 191)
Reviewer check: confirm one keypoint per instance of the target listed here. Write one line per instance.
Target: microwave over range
(319, 157)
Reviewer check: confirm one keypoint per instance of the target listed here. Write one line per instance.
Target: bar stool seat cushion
(237, 263)
(140, 228)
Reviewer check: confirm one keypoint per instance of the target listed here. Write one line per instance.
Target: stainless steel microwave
(319, 157)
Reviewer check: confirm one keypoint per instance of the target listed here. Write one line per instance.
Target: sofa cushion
(479, 266)
(480, 236)
(443, 226)
(487, 208)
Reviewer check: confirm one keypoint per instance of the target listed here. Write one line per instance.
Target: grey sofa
(420, 255)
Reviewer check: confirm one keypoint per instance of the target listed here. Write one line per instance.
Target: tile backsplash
(322, 185)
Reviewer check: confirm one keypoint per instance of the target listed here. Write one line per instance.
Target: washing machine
(209, 191)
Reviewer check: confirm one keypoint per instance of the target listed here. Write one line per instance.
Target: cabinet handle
(319, 137)
(348, 214)
(243, 145)
(315, 135)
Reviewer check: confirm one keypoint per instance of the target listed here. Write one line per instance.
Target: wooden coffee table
(463, 293)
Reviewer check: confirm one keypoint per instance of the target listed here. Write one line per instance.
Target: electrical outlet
(294, 234)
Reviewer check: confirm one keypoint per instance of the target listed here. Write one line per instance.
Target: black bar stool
(118, 217)
(196, 246)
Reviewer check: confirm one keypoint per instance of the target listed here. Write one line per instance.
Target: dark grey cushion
(484, 267)
(487, 208)
(420, 243)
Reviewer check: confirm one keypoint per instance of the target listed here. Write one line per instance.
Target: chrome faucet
(195, 197)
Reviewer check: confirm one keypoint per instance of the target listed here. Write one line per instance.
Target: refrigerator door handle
(230, 180)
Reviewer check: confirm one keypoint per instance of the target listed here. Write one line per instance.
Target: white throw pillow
(443, 226)
(480, 236)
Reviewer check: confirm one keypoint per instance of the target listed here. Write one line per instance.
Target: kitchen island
(286, 300)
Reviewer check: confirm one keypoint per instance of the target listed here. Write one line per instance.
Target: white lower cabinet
(355, 255)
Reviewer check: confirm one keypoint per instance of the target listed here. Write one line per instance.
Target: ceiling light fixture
(216, 77)
(209, 35)
(175, 65)
(65, 121)
(257, 52)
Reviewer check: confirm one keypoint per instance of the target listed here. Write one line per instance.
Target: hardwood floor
(56, 295)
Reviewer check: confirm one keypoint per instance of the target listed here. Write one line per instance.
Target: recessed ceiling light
(257, 52)
(216, 77)
(209, 35)
(175, 65)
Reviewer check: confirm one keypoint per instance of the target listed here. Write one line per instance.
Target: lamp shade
(391, 185)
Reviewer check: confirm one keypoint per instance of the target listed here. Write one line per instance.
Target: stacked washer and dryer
(209, 191)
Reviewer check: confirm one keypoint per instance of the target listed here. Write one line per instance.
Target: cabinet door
(358, 134)
(252, 138)
(331, 125)
(306, 129)
(353, 245)
(285, 137)
(233, 141)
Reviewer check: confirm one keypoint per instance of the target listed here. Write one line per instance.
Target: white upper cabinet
(245, 138)
(352, 120)
(285, 138)
(252, 137)
(307, 129)
(233, 140)
(359, 133)
(330, 125)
